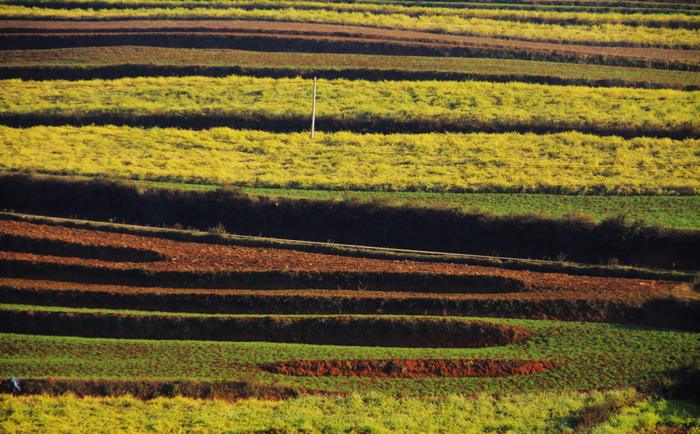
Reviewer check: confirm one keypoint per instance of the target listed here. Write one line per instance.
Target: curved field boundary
(126, 71)
(352, 331)
(151, 389)
(43, 246)
(659, 311)
(285, 36)
(406, 368)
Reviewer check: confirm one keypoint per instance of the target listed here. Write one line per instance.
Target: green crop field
(356, 216)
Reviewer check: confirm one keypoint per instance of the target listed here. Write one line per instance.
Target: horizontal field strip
(284, 105)
(138, 61)
(649, 18)
(445, 162)
(380, 281)
(598, 35)
(362, 251)
(650, 307)
(627, 8)
(537, 3)
(407, 332)
(317, 38)
(679, 212)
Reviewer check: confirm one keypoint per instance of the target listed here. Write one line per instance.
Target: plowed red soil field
(200, 257)
(338, 33)
(402, 368)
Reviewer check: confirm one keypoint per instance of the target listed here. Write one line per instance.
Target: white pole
(313, 112)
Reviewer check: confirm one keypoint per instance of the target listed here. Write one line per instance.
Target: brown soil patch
(200, 257)
(338, 32)
(408, 368)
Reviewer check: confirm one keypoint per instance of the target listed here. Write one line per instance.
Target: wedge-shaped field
(565, 162)
(679, 212)
(343, 104)
(593, 33)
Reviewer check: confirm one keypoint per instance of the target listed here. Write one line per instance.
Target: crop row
(135, 61)
(675, 20)
(599, 34)
(284, 104)
(446, 162)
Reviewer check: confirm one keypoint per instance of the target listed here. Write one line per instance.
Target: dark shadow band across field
(377, 124)
(132, 71)
(420, 332)
(347, 222)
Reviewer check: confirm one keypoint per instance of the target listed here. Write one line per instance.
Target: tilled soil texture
(406, 368)
(306, 37)
(407, 332)
(213, 259)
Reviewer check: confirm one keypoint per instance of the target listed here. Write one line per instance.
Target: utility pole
(313, 112)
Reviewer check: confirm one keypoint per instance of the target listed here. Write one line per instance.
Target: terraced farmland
(493, 228)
